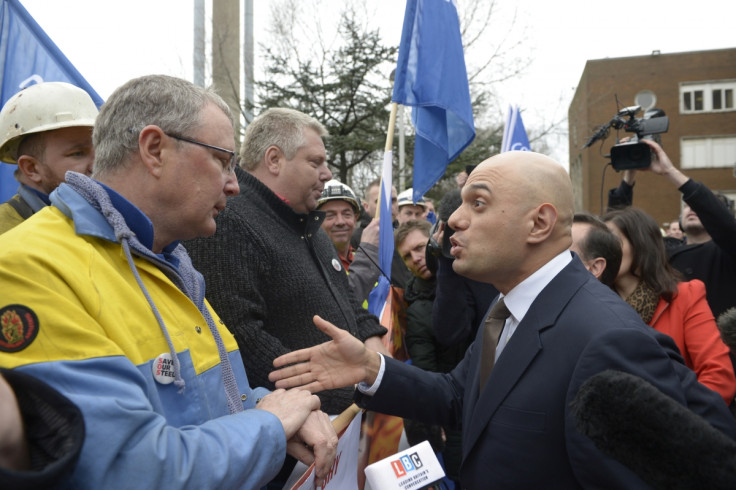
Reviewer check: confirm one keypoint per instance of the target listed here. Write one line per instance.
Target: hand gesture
(343, 361)
(291, 407)
(315, 442)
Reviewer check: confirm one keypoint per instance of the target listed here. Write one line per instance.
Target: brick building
(696, 90)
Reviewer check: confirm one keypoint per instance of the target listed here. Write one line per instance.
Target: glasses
(228, 164)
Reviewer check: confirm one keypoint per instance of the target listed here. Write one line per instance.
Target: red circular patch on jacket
(18, 328)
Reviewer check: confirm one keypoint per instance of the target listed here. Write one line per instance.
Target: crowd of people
(176, 312)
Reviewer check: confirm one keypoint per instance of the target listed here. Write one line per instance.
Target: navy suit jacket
(520, 433)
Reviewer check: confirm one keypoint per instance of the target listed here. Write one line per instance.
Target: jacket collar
(252, 189)
(523, 347)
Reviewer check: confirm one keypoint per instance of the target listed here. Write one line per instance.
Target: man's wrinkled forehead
(487, 177)
(475, 188)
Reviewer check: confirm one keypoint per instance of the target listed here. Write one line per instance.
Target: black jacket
(54, 429)
(268, 271)
(713, 262)
(424, 349)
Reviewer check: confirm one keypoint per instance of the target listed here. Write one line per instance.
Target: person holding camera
(710, 251)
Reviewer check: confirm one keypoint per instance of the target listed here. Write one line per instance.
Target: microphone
(727, 326)
(661, 441)
(629, 111)
(601, 133)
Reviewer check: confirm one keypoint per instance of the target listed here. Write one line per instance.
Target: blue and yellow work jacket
(73, 314)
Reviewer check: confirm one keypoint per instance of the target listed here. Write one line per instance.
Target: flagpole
(343, 420)
(389, 143)
(391, 126)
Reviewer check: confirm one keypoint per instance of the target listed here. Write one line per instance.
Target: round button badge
(163, 369)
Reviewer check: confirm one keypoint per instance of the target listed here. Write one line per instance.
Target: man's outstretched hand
(343, 361)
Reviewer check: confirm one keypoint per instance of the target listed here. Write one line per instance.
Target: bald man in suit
(513, 231)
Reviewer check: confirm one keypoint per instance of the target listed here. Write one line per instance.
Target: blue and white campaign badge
(336, 265)
(163, 369)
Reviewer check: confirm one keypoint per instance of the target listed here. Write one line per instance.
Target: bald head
(537, 179)
(546, 179)
(516, 216)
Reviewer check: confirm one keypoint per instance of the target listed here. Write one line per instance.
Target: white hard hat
(407, 197)
(334, 189)
(43, 107)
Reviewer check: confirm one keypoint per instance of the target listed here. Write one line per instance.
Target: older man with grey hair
(270, 267)
(101, 301)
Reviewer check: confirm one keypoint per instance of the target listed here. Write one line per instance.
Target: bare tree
(340, 76)
(340, 79)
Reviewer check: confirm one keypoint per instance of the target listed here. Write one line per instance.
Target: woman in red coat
(679, 309)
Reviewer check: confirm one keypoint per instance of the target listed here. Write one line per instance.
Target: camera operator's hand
(662, 165)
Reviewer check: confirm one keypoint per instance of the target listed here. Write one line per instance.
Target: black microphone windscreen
(661, 441)
(727, 326)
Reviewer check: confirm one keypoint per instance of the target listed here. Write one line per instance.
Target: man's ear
(545, 219)
(29, 166)
(596, 266)
(152, 146)
(274, 158)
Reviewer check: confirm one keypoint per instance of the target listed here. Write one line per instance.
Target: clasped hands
(343, 361)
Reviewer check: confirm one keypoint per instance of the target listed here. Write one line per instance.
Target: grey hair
(173, 104)
(280, 127)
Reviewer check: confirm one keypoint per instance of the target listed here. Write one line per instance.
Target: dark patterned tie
(491, 332)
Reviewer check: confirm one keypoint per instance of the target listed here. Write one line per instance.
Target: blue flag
(378, 295)
(514, 134)
(29, 56)
(432, 79)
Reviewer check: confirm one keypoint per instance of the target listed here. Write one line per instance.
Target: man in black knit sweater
(270, 267)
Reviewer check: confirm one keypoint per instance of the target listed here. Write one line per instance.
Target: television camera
(632, 154)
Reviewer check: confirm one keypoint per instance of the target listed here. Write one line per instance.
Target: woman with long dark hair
(679, 309)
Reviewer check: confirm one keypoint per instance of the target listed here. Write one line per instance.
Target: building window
(646, 99)
(713, 152)
(707, 97)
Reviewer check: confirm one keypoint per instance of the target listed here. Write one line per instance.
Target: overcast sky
(112, 41)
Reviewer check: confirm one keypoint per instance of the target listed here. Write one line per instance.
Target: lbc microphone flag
(514, 134)
(432, 79)
(29, 56)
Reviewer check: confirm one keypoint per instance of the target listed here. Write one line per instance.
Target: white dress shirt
(518, 301)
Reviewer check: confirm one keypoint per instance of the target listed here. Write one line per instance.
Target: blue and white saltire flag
(514, 134)
(432, 79)
(378, 295)
(29, 56)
